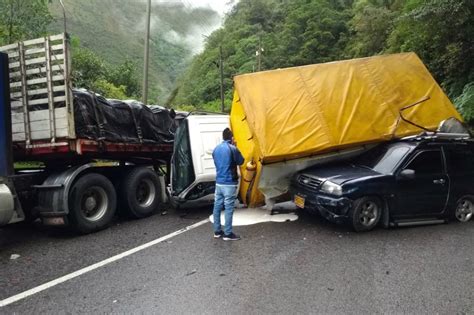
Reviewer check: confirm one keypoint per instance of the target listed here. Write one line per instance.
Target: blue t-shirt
(226, 158)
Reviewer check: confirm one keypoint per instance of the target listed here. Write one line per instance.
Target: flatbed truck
(48, 171)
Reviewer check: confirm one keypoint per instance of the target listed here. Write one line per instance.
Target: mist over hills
(115, 30)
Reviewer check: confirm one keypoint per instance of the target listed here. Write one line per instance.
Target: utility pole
(258, 53)
(221, 68)
(147, 51)
(64, 16)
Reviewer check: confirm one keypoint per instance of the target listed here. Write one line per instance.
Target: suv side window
(427, 163)
(460, 160)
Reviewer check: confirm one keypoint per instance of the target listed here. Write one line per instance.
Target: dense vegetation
(29, 19)
(114, 31)
(20, 19)
(299, 32)
(108, 49)
(108, 40)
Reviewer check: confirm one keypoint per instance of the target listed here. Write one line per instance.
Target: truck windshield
(383, 158)
(182, 163)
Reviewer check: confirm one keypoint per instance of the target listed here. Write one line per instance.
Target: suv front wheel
(464, 208)
(366, 213)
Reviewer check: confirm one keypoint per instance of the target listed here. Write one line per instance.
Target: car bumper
(334, 209)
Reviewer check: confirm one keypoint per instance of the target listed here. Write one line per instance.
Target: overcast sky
(194, 37)
(220, 6)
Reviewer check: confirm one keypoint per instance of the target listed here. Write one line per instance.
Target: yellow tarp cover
(295, 112)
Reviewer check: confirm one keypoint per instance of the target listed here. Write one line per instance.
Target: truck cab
(193, 172)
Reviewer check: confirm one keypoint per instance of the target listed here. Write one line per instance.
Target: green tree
(87, 68)
(91, 72)
(465, 103)
(440, 31)
(312, 32)
(125, 75)
(370, 27)
(187, 108)
(110, 90)
(23, 19)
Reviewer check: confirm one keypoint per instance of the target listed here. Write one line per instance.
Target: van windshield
(182, 163)
(383, 158)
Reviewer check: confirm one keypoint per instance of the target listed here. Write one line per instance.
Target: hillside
(301, 32)
(114, 29)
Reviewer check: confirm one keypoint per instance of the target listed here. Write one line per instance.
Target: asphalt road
(306, 266)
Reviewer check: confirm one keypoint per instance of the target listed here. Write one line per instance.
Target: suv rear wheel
(464, 208)
(366, 213)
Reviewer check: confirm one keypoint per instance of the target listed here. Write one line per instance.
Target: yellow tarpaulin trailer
(291, 114)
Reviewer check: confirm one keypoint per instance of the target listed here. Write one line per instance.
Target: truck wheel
(140, 192)
(366, 213)
(93, 202)
(464, 208)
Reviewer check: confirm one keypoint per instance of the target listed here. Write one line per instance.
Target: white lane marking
(102, 263)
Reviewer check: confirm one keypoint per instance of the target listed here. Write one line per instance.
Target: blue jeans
(225, 196)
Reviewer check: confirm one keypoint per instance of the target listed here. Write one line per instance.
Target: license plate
(299, 201)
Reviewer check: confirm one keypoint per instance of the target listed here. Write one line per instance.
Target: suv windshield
(383, 158)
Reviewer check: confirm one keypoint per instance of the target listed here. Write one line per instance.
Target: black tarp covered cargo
(97, 118)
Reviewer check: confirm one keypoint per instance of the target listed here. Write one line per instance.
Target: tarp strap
(137, 126)
(99, 117)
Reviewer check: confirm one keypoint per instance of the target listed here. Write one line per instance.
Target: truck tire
(92, 203)
(140, 192)
(366, 213)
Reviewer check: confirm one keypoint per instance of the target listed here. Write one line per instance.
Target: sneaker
(218, 234)
(231, 237)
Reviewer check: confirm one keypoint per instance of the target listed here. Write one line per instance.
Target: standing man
(226, 159)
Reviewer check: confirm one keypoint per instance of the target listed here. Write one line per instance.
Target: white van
(193, 174)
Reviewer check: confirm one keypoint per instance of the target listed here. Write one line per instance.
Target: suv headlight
(331, 188)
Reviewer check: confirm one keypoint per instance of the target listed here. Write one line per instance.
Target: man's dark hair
(227, 134)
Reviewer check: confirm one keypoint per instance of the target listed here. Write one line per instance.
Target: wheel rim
(94, 203)
(369, 213)
(464, 210)
(145, 193)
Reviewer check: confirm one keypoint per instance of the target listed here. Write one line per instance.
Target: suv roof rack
(439, 136)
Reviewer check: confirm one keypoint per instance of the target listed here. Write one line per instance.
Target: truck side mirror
(407, 173)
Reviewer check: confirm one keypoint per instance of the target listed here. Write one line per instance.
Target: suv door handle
(439, 181)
